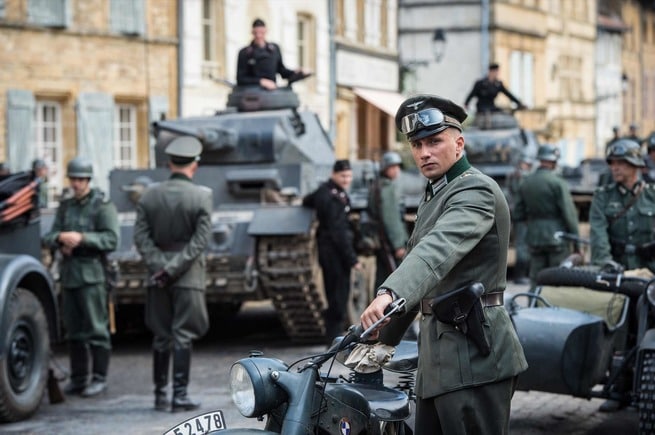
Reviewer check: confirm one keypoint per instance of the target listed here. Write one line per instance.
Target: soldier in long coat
(461, 236)
(85, 229)
(171, 232)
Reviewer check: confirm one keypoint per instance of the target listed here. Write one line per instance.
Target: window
(125, 136)
(570, 77)
(521, 76)
(51, 13)
(306, 56)
(213, 39)
(47, 139)
(128, 17)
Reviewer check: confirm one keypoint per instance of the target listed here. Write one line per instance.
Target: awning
(386, 101)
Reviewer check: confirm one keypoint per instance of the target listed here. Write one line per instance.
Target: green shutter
(20, 116)
(51, 13)
(127, 17)
(95, 134)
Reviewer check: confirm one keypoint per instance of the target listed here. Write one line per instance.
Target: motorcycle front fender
(648, 342)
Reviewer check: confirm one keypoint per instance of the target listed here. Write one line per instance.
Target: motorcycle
(300, 399)
(589, 332)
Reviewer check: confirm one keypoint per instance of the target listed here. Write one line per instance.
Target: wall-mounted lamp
(438, 44)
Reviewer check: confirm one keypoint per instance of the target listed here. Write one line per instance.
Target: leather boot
(100, 367)
(79, 362)
(160, 362)
(181, 368)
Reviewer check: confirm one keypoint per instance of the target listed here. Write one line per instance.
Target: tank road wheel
(646, 392)
(291, 276)
(23, 369)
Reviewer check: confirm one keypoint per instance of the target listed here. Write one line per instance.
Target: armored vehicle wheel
(646, 392)
(291, 276)
(23, 369)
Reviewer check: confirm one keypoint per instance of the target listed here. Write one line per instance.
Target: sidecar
(570, 335)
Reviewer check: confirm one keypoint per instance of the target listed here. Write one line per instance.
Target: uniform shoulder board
(205, 188)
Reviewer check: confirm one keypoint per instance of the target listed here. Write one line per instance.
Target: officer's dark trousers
(482, 410)
(543, 257)
(336, 278)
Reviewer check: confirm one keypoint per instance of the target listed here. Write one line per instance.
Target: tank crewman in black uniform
(486, 89)
(633, 135)
(84, 230)
(616, 135)
(171, 232)
(336, 251)
(260, 62)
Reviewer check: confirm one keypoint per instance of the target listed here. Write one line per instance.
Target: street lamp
(438, 44)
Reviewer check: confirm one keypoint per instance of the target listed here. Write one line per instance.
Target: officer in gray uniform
(85, 229)
(545, 204)
(171, 232)
(385, 209)
(461, 236)
(622, 213)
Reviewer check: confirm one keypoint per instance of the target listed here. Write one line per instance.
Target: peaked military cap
(184, 150)
(416, 121)
(341, 165)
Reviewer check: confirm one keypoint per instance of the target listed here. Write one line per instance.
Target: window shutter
(20, 114)
(127, 17)
(95, 134)
(158, 110)
(52, 13)
(2, 8)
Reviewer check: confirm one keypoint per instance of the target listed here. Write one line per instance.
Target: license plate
(200, 424)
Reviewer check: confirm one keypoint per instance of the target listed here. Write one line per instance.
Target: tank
(260, 157)
(495, 143)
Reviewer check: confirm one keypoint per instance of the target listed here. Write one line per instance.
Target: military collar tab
(460, 166)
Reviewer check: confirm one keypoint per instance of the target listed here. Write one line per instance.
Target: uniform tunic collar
(179, 176)
(456, 170)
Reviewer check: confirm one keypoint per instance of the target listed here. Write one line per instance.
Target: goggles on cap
(426, 118)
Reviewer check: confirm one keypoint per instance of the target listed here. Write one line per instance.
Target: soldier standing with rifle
(85, 229)
(171, 232)
(383, 204)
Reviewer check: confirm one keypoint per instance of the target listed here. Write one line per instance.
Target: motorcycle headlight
(650, 292)
(253, 390)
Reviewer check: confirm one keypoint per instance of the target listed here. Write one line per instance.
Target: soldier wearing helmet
(622, 214)
(40, 174)
(85, 230)
(545, 204)
(385, 209)
(514, 180)
(622, 218)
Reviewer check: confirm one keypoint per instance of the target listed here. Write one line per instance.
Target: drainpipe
(333, 72)
(484, 35)
(180, 54)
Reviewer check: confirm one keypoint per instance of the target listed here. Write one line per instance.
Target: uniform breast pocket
(646, 219)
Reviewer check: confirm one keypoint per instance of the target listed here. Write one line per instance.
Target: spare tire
(591, 278)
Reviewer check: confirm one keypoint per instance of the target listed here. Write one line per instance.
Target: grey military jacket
(617, 221)
(172, 229)
(97, 220)
(461, 236)
(383, 202)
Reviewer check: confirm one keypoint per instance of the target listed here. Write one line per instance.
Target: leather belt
(494, 299)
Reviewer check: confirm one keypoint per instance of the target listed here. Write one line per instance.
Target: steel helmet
(625, 149)
(390, 158)
(548, 153)
(80, 167)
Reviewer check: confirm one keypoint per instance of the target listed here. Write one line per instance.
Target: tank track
(291, 276)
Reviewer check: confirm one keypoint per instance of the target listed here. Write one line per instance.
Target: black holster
(463, 309)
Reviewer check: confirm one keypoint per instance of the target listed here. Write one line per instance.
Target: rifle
(112, 275)
(385, 246)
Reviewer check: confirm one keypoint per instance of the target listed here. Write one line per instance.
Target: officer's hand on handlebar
(374, 312)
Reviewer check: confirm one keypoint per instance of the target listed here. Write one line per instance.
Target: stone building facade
(84, 77)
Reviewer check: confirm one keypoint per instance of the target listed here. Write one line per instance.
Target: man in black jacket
(336, 252)
(260, 62)
(486, 89)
